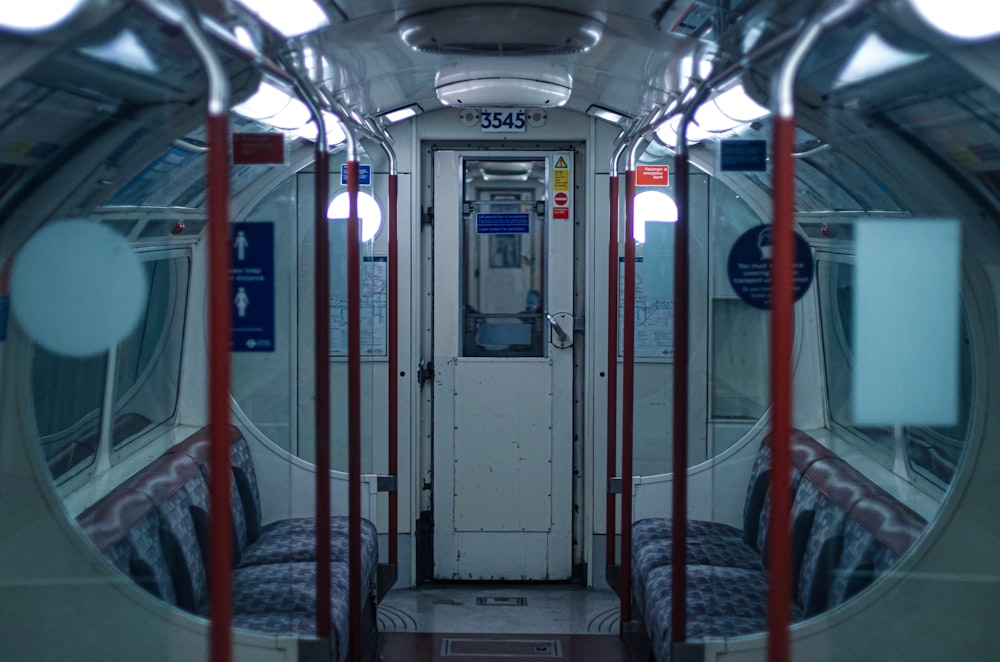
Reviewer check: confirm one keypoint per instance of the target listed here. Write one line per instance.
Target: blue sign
(252, 276)
(364, 174)
(750, 267)
(743, 155)
(503, 223)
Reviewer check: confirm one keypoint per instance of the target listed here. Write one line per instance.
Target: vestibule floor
(509, 622)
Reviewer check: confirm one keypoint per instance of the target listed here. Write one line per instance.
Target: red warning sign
(560, 213)
(258, 148)
(653, 175)
(561, 199)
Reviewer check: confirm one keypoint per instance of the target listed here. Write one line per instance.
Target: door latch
(559, 337)
(425, 372)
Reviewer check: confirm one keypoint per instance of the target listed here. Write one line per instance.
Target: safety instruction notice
(252, 275)
(561, 184)
(749, 266)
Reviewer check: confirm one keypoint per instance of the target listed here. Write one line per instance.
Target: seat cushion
(280, 598)
(294, 540)
(720, 602)
(708, 544)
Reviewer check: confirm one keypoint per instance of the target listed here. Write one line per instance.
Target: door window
(503, 271)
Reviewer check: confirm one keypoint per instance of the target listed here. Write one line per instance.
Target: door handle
(564, 339)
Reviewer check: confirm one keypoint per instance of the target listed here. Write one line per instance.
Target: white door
(503, 330)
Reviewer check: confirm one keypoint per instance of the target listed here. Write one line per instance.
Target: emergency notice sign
(561, 183)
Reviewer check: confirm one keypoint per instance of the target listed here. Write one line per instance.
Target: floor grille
(501, 601)
(501, 648)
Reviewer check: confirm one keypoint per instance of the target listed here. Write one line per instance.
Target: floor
(514, 622)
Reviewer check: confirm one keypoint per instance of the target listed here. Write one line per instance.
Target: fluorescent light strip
(606, 115)
(289, 17)
(964, 19)
(874, 57)
(400, 114)
(36, 16)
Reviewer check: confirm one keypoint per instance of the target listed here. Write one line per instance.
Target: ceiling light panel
(289, 17)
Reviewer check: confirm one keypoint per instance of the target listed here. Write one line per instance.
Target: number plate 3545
(502, 119)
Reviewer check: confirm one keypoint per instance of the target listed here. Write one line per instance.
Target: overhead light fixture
(667, 132)
(506, 91)
(735, 103)
(291, 18)
(963, 19)
(872, 58)
(606, 114)
(273, 106)
(126, 50)
(400, 114)
(245, 38)
(38, 16)
(507, 82)
(334, 130)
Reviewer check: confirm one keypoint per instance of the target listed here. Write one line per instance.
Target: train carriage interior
(404, 330)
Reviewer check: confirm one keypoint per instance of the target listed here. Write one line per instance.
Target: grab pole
(220, 554)
(610, 524)
(392, 319)
(779, 599)
(321, 357)
(679, 434)
(628, 379)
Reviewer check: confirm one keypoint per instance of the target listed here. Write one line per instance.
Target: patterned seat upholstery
(846, 531)
(721, 601)
(154, 528)
(708, 543)
(273, 597)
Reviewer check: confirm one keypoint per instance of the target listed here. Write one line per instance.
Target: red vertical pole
(321, 323)
(610, 525)
(354, 409)
(220, 561)
(782, 331)
(394, 376)
(628, 391)
(678, 536)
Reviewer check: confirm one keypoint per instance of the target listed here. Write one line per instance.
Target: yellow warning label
(560, 180)
(561, 163)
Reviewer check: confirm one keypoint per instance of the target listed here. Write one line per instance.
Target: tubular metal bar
(628, 381)
(393, 350)
(220, 561)
(321, 359)
(610, 524)
(354, 408)
(321, 351)
(678, 536)
(783, 329)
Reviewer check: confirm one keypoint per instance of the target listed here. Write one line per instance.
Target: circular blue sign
(750, 267)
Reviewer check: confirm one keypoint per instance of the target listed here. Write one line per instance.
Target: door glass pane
(503, 266)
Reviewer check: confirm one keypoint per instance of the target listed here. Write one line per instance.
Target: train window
(67, 394)
(836, 291)
(738, 387)
(148, 361)
(932, 452)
